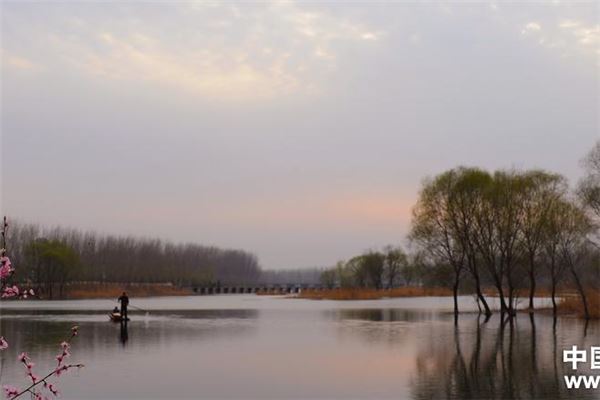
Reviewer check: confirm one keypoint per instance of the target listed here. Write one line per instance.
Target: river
(268, 347)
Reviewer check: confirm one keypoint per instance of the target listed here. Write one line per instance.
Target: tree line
(49, 258)
(373, 269)
(510, 230)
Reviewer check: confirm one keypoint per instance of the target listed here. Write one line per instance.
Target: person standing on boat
(124, 300)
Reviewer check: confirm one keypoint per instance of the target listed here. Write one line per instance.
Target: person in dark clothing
(124, 300)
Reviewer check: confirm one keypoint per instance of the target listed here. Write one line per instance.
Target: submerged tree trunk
(553, 296)
(581, 291)
(511, 298)
(531, 282)
(497, 279)
(503, 306)
(488, 311)
(455, 294)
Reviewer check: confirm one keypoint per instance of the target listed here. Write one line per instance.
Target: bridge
(257, 289)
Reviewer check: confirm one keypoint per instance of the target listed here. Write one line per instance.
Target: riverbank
(373, 294)
(569, 303)
(572, 305)
(78, 291)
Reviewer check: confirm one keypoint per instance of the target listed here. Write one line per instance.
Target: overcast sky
(298, 131)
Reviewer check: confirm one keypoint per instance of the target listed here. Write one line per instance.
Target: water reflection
(497, 360)
(124, 334)
(389, 315)
(40, 332)
(319, 350)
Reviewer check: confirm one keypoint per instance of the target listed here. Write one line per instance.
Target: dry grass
(372, 294)
(572, 304)
(539, 292)
(114, 290)
(270, 293)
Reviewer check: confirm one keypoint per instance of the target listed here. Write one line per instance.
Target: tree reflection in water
(499, 360)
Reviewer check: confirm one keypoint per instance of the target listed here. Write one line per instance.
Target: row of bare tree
(49, 257)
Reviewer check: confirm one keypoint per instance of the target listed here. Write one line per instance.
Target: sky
(299, 131)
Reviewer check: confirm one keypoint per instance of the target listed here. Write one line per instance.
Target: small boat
(116, 317)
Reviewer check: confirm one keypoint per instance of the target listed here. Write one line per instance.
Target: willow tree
(438, 221)
(554, 236)
(54, 263)
(466, 198)
(589, 187)
(395, 263)
(355, 267)
(542, 192)
(574, 246)
(374, 265)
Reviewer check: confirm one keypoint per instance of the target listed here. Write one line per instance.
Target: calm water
(258, 347)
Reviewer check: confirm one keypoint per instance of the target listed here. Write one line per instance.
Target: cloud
(567, 24)
(588, 36)
(216, 50)
(569, 36)
(531, 27)
(207, 72)
(18, 62)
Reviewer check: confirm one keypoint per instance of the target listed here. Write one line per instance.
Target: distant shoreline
(373, 294)
(568, 301)
(96, 290)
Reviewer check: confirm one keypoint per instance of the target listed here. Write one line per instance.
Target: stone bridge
(257, 289)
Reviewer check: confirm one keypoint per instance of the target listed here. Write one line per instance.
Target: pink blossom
(10, 292)
(38, 396)
(59, 370)
(34, 378)
(5, 270)
(5, 267)
(52, 388)
(10, 391)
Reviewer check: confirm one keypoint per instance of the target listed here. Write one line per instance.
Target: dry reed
(373, 294)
